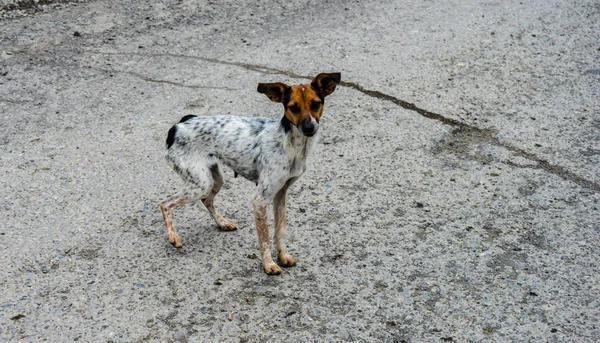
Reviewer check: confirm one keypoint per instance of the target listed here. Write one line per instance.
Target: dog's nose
(308, 128)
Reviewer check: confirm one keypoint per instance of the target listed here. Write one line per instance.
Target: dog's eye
(295, 108)
(315, 105)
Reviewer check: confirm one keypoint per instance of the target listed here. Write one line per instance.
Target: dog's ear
(274, 91)
(325, 83)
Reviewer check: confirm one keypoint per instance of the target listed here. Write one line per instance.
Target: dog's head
(303, 104)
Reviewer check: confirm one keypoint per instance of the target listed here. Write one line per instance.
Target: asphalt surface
(453, 195)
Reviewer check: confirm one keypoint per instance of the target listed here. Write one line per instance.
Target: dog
(269, 152)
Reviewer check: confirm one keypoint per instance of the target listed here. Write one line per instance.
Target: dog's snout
(309, 127)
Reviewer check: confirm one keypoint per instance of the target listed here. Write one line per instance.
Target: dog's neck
(296, 143)
(286, 124)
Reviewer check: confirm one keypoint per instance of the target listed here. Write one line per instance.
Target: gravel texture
(453, 195)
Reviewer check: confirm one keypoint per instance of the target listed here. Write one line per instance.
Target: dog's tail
(173, 130)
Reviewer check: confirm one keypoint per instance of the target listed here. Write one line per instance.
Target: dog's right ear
(274, 91)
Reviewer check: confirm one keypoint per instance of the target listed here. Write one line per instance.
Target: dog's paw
(226, 225)
(286, 260)
(272, 269)
(174, 240)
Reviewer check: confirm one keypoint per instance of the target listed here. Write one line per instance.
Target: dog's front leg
(264, 240)
(279, 209)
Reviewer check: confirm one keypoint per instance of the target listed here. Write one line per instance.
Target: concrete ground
(453, 195)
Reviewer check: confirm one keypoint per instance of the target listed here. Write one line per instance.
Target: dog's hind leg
(217, 177)
(166, 207)
(200, 184)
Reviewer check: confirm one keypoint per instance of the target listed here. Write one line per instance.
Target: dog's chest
(298, 152)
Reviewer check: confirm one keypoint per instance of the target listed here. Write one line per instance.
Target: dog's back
(236, 142)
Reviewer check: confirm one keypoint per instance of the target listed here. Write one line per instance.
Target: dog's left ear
(275, 91)
(325, 83)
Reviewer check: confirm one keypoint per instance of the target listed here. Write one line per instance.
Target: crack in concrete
(542, 164)
(173, 83)
(547, 166)
(410, 106)
(248, 66)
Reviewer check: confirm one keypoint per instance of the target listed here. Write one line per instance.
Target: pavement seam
(542, 164)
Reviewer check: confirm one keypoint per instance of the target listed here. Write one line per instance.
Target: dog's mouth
(309, 127)
(309, 134)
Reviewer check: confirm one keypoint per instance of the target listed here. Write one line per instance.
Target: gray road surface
(453, 195)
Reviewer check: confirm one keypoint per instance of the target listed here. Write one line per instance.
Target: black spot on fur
(257, 126)
(187, 117)
(286, 97)
(182, 172)
(171, 136)
(315, 105)
(294, 108)
(318, 92)
(286, 124)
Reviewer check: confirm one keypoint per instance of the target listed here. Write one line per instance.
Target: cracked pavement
(452, 197)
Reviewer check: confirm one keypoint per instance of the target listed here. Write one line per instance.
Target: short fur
(269, 152)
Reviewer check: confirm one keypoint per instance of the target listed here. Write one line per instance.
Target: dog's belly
(240, 160)
(250, 174)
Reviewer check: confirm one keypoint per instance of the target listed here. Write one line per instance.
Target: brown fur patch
(279, 206)
(286, 260)
(302, 101)
(165, 209)
(264, 242)
(301, 104)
